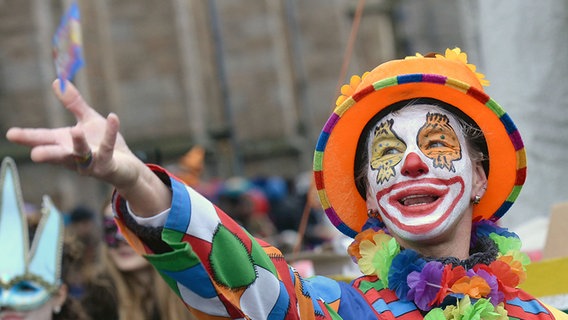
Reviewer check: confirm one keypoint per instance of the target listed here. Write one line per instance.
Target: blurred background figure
(33, 216)
(248, 205)
(83, 227)
(126, 286)
(190, 166)
(83, 223)
(190, 169)
(30, 277)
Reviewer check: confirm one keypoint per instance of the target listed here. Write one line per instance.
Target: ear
(479, 183)
(59, 297)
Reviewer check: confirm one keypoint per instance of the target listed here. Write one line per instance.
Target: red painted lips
(418, 202)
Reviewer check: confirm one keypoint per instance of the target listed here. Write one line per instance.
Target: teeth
(414, 196)
(417, 199)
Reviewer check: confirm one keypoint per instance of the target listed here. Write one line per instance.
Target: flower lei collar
(445, 290)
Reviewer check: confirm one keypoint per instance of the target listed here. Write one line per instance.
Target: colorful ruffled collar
(450, 289)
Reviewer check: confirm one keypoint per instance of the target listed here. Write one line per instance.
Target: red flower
(516, 267)
(449, 277)
(506, 278)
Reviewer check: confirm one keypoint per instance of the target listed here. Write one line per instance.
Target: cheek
(44, 312)
(446, 166)
(114, 256)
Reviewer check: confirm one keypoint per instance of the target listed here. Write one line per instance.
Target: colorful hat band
(334, 175)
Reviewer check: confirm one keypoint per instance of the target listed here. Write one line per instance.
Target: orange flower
(516, 266)
(475, 287)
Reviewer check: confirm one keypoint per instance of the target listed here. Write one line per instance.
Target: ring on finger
(84, 161)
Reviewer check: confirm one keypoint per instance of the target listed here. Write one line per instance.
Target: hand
(90, 150)
(64, 146)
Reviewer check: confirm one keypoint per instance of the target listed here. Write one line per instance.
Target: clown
(420, 188)
(416, 163)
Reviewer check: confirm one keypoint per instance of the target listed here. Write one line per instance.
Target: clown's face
(420, 173)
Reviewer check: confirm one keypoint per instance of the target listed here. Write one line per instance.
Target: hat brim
(334, 158)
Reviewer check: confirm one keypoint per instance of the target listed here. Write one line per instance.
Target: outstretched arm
(111, 162)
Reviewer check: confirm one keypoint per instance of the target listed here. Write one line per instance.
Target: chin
(449, 232)
(131, 263)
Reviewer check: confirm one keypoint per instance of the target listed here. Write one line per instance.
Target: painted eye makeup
(436, 144)
(388, 151)
(438, 141)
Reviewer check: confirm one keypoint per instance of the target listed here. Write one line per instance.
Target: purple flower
(425, 285)
(403, 264)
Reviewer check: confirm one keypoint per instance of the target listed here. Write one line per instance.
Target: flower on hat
(347, 90)
(458, 55)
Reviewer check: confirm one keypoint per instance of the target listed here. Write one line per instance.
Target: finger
(73, 101)
(52, 154)
(106, 148)
(82, 153)
(34, 136)
(80, 145)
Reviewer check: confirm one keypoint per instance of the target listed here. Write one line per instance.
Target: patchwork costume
(220, 271)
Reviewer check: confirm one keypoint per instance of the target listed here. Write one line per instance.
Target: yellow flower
(417, 56)
(457, 55)
(457, 311)
(347, 90)
(371, 260)
(454, 54)
(500, 309)
(353, 249)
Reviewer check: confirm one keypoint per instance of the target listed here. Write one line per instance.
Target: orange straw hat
(447, 78)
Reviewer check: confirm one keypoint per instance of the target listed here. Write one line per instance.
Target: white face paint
(420, 172)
